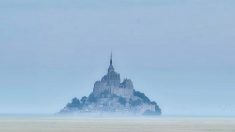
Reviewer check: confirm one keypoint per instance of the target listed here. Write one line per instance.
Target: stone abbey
(110, 95)
(111, 83)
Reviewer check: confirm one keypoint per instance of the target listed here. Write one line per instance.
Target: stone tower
(111, 84)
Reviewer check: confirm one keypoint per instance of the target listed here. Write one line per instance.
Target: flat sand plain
(160, 124)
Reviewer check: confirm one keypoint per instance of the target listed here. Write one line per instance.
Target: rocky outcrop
(110, 95)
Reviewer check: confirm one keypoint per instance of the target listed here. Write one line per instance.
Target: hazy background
(178, 52)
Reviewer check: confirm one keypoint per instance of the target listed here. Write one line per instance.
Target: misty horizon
(179, 53)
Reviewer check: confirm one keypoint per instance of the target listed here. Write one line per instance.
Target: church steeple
(111, 64)
(111, 59)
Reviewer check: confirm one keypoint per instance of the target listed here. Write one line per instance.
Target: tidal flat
(104, 124)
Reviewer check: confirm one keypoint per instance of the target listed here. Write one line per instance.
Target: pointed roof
(111, 59)
(111, 64)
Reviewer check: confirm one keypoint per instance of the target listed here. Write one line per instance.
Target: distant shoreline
(110, 116)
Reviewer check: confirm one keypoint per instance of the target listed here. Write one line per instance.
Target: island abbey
(110, 95)
(111, 83)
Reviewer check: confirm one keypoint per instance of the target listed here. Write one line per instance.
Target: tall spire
(111, 64)
(111, 59)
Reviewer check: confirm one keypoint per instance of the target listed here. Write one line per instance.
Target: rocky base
(107, 104)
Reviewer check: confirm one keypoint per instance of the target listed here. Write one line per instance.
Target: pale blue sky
(178, 52)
